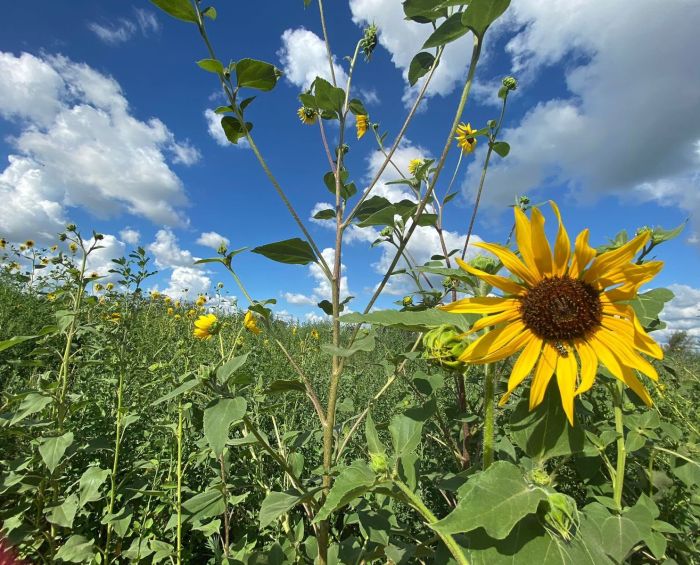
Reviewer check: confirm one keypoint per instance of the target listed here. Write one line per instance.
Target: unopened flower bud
(510, 83)
(444, 345)
(379, 463)
(386, 232)
(99, 236)
(369, 41)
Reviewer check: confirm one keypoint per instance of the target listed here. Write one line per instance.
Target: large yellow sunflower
(566, 312)
(206, 326)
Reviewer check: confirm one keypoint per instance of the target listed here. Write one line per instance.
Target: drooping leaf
(502, 148)
(412, 321)
(327, 214)
(218, 417)
(420, 65)
(256, 74)
(482, 13)
(63, 514)
(6, 344)
(32, 403)
(365, 342)
(52, 449)
(233, 128)
(285, 385)
(294, 251)
(77, 549)
(277, 504)
(204, 505)
(353, 481)
(449, 30)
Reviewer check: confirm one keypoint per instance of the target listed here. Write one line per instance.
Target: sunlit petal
(522, 367)
(543, 374)
(615, 257)
(540, 245)
(566, 380)
(589, 365)
(481, 305)
(562, 247)
(523, 236)
(583, 253)
(492, 342)
(502, 283)
(511, 262)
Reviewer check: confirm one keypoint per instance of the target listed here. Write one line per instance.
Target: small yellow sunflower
(250, 324)
(114, 317)
(73, 247)
(170, 311)
(54, 248)
(206, 326)
(361, 123)
(109, 286)
(307, 115)
(568, 312)
(29, 243)
(413, 165)
(51, 296)
(315, 334)
(201, 300)
(97, 287)
(465, 139)
(155, 294)
(3, 243)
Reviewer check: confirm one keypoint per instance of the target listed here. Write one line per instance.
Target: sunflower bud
(222, 249)
(379, 463)
(369, 41)
(71, 227)
(444, 345)
(386, 232)
(449, 283)
(407, 300)
(561, 514)
(510, 83)
(483, 263)
(540, 477)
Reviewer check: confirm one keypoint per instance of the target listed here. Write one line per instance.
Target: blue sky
(103, 122)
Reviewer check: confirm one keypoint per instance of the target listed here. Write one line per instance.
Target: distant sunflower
(565, 315)
(250, 324)
(307, 115)
(465, 138)
(206, 326)
(361, 123)
(413, 165)
(315, 334)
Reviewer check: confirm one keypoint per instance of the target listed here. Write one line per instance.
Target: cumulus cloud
(303, 57)
(125, 29)
(167, 252)
(213, 240)
(322, 288)
(628, 124)
(78, 145)
(682, 313)
(130, 236)
(187, 283)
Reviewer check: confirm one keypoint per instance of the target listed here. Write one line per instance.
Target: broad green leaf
(363, 343)
(346, 190)
(180, 9)
(233, 128)
(502, 148)
(63, 514)
(326, 306)
(495, 499)
(545, 432)
(15, 340)
(353, 481)
(294, 251)
(449, 30)
(420, 65)
(384, 217)
(256, 74)
(120, 521)
(183, 388)
(328, 97)
(31, 404)
(482, 13)
(660, 235)
(218, 417)
(356, 107)
(412, 321)
(649, 305)
(52, 449)
(204, 505)
(423, 11)
(77, 549)
(90, 483)
(223, 373)
(277, 504)
(406, 428)
(285, 385)
(211, 65)
(327, 214)
(370, 206)
(374, 444)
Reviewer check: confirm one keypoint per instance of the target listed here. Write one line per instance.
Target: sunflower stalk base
(619, 477)
(489, 414)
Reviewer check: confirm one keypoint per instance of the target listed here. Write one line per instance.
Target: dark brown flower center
(561, 308)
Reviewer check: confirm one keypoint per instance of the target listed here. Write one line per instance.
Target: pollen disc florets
(561, 308)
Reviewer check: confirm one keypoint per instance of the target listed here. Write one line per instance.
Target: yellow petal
(632, 381)
(523, 235)
(522, 367)
(615, 258)
(511, 262)
(643, 341)
(623, 346)
(583, 253)
(502, 283)
(487, 321)
(481, 305)
(566, 380)
(510, 348)
(540, 245)
(491, 342)
(630, 274)
(543, 374)
(589, 365)
(562, 247)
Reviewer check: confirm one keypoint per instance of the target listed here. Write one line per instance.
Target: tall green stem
(430, 518)
(619, 479)
(179, 481)
(115, 462)
(489, 414)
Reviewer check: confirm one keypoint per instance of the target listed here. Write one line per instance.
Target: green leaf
(660, 235)
(495, 499)
(502, 148)
(77, 549)
(545, 432)
(327, 214)
(285, 385)
(120, 521)
(326, 306)
(423, 11)
(223, 373)
(357, 107)
(211, 65)
(233, 128)
(420, 65)
(482, 13)
(328, 97)
(406, 428)
(370, 206)
(90, 483)
(374, 444)
(649, 305)
(204, 505)
(277, 504)
(256, 74)
(294, 251)
(180, 9)
(183, 388)
(209, 12)
(346, 190)
(384, 217)
(353, 481)
(15, 340)
(31, 404)
(364, 343)
(52, 449)
(63, 514)
(218, 417)
(412, 321)
(449, 30)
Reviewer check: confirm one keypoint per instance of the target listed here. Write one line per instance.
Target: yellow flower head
(73, 247)
(307, 116)
(54, 248)
(566, 312)
(14, 266)
(177, 316)
(114, 317)
(465, 139)
(191, 313)
(155, 294)
(44, 261)
(206, 326)
(361, 123)
(167, 299)
(177, 304)
(170, 311)
(201, 300)
(29, 243)
(109, 286)
(51, 296)
(3, 243)
(413, 165)
(294, 330)
(97, 287)
(250, 324)
(315, 334)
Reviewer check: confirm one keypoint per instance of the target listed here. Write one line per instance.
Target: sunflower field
(520, 410)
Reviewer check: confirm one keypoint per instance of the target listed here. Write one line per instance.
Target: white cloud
(167, 252)
(185, 153)
(322, 288)
(100, 260)
(130, 236)
(682, 313)
(79, 146)
(303, 56)
(187, 283)
(217, 132)
(298, 298)
(629, 124)
(213, 240)
(124, 29)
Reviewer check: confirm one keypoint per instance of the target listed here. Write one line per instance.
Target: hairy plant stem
(619, 477)
(179, 481)
(430, 518)
(115, 461)
(489, 414)
(329, 53)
